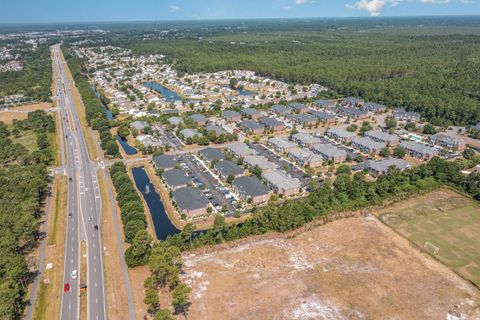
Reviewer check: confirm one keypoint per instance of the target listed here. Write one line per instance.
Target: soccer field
(446, 225)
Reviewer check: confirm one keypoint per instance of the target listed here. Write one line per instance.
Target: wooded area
(23, 186)
(34, 80)
(432, 71)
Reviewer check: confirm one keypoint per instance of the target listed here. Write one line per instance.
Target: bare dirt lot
(356, 268)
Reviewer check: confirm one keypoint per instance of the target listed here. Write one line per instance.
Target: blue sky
(44, 11)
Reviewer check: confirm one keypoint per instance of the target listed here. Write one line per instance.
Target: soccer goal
(431, 247)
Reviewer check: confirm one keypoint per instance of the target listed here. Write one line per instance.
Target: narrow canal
(168, 94)
(129, 150)
(162, 224)
(107, 111)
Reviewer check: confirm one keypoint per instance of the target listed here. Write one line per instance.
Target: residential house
(330, 152)
(175, 121)
(305, 119)
(249, 187)
(231, 116)
(211, 154)
(199, 119)
(272, 124)
(419, 150)
(240, 149)
(280, 144)
(352, 102)
(259, 161)
(251, 113)
(190, 133)
(367, 145)
(374, 107)
(139, 125)
(326, 104)
(305, 157)
(341, 135)
(353, 113)
(400, 114)
(175, 179)
(191, 202)
(281, 110)
(449, 142)
(379, 167)
(164, 161)
(323, 116)
(305, 140)
(298, 107)
(251, 127)
(218, 130)
(381, 136)
(282, 183)
(226, 168)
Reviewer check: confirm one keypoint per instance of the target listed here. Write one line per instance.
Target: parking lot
(218, 195)
(293, 170)
(168, 137)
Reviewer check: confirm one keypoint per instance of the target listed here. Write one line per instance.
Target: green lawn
(28, 138)
(452, 225)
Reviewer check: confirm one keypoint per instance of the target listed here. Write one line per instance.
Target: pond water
(168, 94)
(162, 224)
(107, 111)
(129, 150)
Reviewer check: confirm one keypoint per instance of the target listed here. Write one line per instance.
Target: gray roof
(401, 113)
(352, 112)
(164, 161)
(442, 137)
(228, 114)
(250, 125)
(189, 133)
(305, 155)
(306, 138)
(259, 161)
(329, 151)
(250, 112)
(139, 124)
(381, 166)
(217, 129)
(190, 198)
(342, 133)
(271, 122)
(212, 154)
(250, 186)
(369, 143)
(175, 120)
(353, 100)
(176, 177)
(227, 167)
(304, 118)
(297, 106)
(281, 142)
(241, 149)
(325, 103)
(280, 109)
(418, 147)
(380, 135)
(322, 115)
(281, 180)
(198, 118)
(373, 106)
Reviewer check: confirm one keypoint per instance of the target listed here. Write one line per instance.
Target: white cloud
(374, 7)
(174, 8)
(300, 2)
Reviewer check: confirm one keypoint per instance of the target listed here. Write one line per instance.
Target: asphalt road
(84, 206)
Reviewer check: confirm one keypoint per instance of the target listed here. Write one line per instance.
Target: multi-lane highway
(84, 207)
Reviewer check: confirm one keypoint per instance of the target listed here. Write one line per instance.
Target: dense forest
(434, 70)
(95, 112)
(23, 186)
(34, 80)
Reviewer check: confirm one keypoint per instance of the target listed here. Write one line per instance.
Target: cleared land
(348, 269)
(446, 225)
(21, 112)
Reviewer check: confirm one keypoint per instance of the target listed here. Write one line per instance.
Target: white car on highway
(74, 274)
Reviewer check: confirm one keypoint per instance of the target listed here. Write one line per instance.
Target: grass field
(447, 221)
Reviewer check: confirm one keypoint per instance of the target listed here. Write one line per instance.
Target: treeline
(435, 74)
(133, 217)
(34, 80)
(95, 112)
(23, 186)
